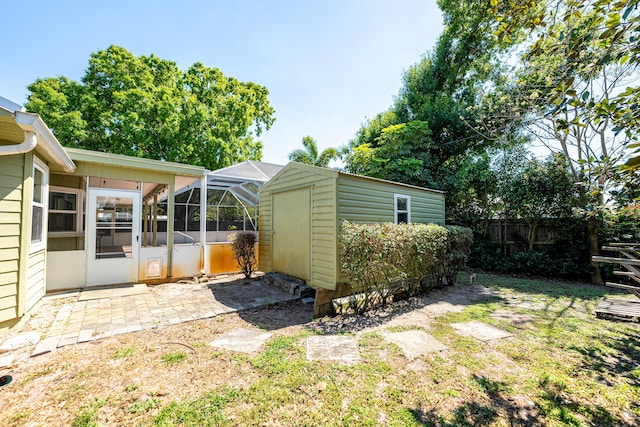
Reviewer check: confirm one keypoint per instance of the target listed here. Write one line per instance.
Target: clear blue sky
(328, 64)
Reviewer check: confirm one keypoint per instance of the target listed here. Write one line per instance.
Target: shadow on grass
(612, 358)
(553, 403)
(433, 303)
(549, 288)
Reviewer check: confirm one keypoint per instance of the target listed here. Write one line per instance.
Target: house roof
(130, 162)
(27, 132)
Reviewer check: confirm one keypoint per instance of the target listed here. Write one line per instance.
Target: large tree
(145, 106)
(437, 94)
(576, 90)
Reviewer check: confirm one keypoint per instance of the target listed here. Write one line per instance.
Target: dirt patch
(146, 369)
(415, 311)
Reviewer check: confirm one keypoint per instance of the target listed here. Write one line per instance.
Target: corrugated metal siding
(366, 201)
(11, 178)
(323, 220)
(35, 279)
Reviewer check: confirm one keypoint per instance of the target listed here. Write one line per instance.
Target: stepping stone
(414, 343)
(7, 361)
(515, 318)
(47, 345)
(241, 340)
(531, 305)
(333, 348)
(480, 331)
(21, 340)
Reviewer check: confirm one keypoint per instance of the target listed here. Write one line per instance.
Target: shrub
(384, 259)
(243, 244)
(458, 247)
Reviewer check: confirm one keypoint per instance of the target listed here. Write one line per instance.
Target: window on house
(38, 205)
(66, 207)
(402, 209)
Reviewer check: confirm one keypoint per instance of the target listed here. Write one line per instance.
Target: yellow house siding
(323, 219)
(35, 279)
(368, 201)
(11, 178)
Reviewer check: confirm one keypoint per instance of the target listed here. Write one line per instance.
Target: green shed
(302, 207)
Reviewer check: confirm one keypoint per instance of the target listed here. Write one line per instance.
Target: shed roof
(337, 173)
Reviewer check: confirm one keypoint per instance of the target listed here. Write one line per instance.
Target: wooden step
(621, 286)
(620, 248)
(614, 260)
(618, 308)
(624, 244)
(624, 273)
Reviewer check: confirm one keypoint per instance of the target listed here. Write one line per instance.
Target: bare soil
(130, 371)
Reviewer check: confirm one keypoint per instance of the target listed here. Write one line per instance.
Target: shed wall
(323, 220)
(11, 184)
(369, 201)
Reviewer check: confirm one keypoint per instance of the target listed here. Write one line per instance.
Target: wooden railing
(629, 259)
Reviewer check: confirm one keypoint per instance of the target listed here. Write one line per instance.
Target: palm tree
(310, 154)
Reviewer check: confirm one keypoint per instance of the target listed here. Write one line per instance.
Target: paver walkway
(81, 321)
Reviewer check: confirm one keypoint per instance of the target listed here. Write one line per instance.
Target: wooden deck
(622, 309)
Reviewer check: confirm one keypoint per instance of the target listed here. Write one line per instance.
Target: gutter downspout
(29, 143)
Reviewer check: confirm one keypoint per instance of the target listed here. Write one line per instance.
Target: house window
(402, 209)
(65, 210)
(38, 205)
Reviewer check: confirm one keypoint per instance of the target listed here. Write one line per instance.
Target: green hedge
(384, 259)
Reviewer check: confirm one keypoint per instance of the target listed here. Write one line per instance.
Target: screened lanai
(230, 202)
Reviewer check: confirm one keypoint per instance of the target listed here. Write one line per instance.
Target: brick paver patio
(81, 321)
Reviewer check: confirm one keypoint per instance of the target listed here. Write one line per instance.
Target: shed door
(292, 233)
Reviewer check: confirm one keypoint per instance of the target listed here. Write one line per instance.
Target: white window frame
(38, 245)
(79, 212)
(395, 207)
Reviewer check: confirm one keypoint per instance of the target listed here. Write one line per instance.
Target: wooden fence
(514, 235)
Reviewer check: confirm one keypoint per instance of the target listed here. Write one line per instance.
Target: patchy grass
(564, 367)
(122, 353)
(171, 358)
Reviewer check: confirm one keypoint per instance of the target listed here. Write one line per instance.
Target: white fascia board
(30, 122)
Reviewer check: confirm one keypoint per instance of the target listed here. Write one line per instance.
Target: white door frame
(119, 269)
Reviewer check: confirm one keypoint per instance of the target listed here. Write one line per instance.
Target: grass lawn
(562, 367)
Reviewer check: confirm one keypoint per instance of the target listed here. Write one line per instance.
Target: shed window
(402, 209)
(38, 205)
(66, 209)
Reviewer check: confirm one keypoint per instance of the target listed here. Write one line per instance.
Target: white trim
(80, 194)
(44, 204)
(33, 123)
(395, 207)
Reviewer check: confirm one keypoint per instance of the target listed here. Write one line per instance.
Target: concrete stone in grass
(414, 343)
(480, 331)
(515, 318)
(333, 348)
(241, 340)
(21, 340)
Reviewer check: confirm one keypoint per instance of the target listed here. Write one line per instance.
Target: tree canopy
(147, 107)
(438, 94)
(310, 155)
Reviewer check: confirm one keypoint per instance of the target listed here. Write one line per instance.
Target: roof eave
(47, 142)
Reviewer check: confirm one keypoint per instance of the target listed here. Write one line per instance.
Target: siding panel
(11, 178)
(323, 219)
(35, 279)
